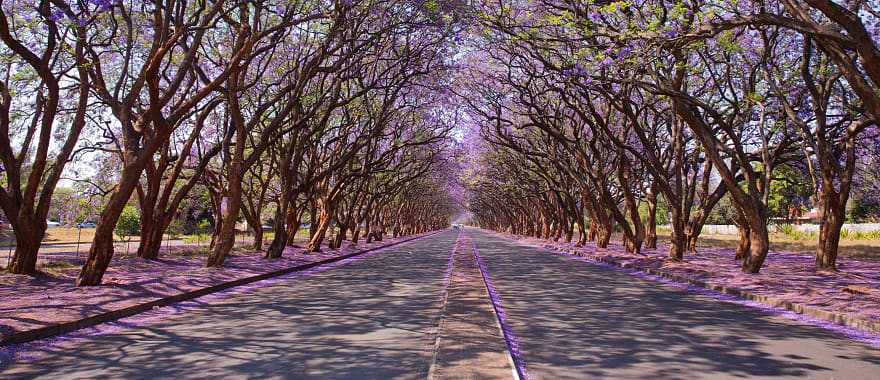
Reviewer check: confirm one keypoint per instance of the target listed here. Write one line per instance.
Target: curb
(67, 327)
(799, 308)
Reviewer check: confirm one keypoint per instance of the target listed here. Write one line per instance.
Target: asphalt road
(373, 318)
(574, 320)
(376, 318)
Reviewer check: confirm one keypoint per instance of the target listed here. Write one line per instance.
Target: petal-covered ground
(34, 302)
(853, 290)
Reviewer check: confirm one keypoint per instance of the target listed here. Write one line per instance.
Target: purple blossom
(57, 15)
(103, 5)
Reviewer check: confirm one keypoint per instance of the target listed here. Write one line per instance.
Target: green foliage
(175, 228)
(862, 210)
(846, 234)
(204, 225)
(789, 191)
(727, 41)
(662, 211)
(129, 223)
(615, 6)
(790, 231)
(723, 213)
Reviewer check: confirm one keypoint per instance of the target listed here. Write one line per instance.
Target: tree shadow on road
(576, 320)
(372, 318)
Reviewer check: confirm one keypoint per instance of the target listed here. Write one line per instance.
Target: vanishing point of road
(423, 309)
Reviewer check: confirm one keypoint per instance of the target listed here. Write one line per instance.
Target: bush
(723, 213)
(862, 209)
(790, 231)
(129, 223)
(662, 211)
(175, 228)
(859, 235)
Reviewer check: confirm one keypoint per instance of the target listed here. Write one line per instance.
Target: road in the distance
(369, 319)
(574, 320)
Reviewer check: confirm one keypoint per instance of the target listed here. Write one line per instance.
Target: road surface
(574, 320)
(372, 318)
(377, 318)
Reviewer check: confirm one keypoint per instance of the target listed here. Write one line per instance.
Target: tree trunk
(603, 234)
(313, 215)
(759, 245)
(569, 232)
(545, 228)
(695, 225)
(371, 228)
(279, 243)
(582, 233)
(152, 231)
(292, 223)
(258, 238)
(744, 241)
(101, 251)
(320, 232)
(678, 240)
(28, 237)
(651, 222)
(829, 232)
(355, 233)
(226, 237)
(340, 236)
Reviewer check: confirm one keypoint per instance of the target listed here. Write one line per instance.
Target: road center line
(519, 364)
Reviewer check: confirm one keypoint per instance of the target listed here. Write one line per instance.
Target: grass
(244, 242)
(68, 234)
(55, 268)
(57, 235)
(187, 252)
(197, 238)
(864, 248)
(859, 235)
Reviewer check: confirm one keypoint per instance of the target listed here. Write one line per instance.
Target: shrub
(790, 231)
(128, 225)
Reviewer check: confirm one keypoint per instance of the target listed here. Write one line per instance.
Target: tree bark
(101, 251)
(759, 245)
(829, 232)
(323, 224)
(279, 243)
(678, 240)
(226, 236)
(28, 237)
(152, 231)
(651, 222)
